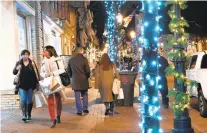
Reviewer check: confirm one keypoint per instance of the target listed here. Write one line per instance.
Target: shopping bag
(121, 94)
(50, 85)
(116, 86)
(54, 84)
(38, 101)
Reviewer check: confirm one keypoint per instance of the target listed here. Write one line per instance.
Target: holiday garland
(176, 26)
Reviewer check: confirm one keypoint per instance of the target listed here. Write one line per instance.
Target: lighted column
(150, 114)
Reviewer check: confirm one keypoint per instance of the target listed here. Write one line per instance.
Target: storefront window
(22, 40)
(52, 37)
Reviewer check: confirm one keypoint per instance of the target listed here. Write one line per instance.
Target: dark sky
(195, 14)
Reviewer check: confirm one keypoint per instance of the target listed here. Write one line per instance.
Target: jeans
(51, 105)
(26, 96)
(79, 105)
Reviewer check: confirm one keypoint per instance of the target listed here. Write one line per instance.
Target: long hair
(105, 62)
(51, 51)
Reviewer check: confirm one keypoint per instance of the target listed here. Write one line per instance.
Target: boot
(111, 108)
(29, 110)
(58, 120)
(107, 109)
(107, 112)
(53, 123)
(24, 110)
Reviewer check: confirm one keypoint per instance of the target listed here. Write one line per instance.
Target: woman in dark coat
(28, 81)
(106, 72)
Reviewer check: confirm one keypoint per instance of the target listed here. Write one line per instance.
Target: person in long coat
(106, 72)
(78, 69)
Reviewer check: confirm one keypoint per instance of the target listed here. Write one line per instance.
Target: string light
(111, 26)
(150, 75)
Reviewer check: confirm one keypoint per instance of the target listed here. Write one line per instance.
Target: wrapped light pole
(182, 123)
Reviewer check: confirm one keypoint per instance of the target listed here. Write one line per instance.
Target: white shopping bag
(116, 86)
(40, 100)
(121, 94)
(47, 86)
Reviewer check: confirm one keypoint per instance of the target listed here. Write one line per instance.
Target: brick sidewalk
(126, 122)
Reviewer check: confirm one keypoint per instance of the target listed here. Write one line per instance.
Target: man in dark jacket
(163, 87)
(79, 70)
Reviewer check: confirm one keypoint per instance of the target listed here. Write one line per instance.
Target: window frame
(192, 58)
(202, 62)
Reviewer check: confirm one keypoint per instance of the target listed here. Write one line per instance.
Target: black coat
(34, 68)
(79, 70)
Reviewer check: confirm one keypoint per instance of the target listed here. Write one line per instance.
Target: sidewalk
(95, 122)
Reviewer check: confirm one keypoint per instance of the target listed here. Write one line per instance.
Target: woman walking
(28, 81)
(50, 66)
(106, 72)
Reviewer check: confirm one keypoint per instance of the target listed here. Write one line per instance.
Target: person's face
(46, 53)
(25, 57)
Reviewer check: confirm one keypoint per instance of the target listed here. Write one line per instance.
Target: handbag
(17, 79)
(116, 84)
(64, 77)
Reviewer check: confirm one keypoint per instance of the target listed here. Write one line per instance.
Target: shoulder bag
(64, 77)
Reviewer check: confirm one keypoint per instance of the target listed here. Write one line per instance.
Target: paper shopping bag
(121, 94)
(54, 84)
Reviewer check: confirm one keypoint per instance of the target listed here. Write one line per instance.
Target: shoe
(80, 114)
(85, 111)
(107, 112)
(29, 117)
(29, 110)
(58, 120)
(24, 108)
(53, 123)
(24, 119)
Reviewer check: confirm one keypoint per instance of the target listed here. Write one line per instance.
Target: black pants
(109, 105)
(164, 90)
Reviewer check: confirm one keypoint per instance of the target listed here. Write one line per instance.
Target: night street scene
(103, 66)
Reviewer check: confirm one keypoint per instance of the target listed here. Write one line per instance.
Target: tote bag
(116, 84)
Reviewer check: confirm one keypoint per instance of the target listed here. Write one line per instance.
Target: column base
(182, 125)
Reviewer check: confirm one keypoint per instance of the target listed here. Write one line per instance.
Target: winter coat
(35, 72)
(49, 67)
(79, 70)
(104, 81)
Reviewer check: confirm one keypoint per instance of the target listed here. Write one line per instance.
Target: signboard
(65, 59)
